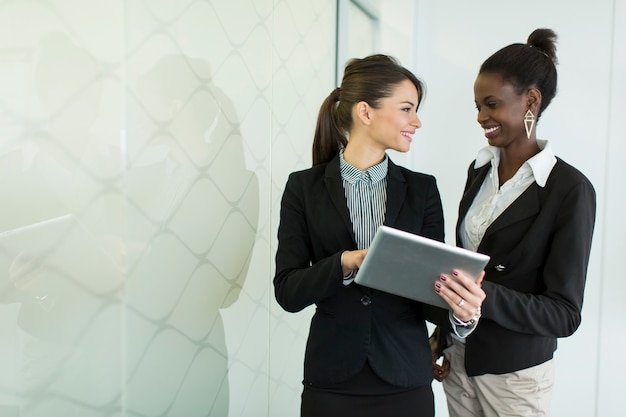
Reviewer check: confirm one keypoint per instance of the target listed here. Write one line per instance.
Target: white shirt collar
(540, 164)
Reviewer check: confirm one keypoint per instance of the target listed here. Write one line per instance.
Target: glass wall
(144, 146)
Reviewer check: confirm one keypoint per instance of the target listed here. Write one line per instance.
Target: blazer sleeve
(555, 309)
(301, 280)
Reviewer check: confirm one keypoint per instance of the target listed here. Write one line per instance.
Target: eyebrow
(407, 102)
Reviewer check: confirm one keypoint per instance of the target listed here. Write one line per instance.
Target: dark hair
(528, 65)
(368, 79)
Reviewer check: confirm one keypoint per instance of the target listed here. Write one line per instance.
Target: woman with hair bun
(367, 354)
(534, 215)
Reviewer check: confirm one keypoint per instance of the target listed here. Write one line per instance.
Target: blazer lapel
(526, 205)
(334, 186)
(396, 193)
(471, 189)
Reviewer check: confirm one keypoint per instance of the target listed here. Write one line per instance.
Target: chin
(493, 142)
(403, 147)
(402, 150)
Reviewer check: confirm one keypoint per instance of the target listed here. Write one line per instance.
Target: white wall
(453, 39)
(611, 362)
(159, 135)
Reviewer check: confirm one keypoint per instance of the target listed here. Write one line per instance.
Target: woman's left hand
(464, 295)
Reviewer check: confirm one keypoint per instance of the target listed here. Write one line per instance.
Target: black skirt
(366, 395)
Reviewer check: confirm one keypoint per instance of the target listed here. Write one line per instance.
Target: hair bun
(544, 41)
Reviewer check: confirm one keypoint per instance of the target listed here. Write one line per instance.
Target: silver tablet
(408, 265)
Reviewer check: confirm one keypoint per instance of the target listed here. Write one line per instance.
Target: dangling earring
(529, 122)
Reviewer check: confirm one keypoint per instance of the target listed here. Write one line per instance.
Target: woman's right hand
(351, 260)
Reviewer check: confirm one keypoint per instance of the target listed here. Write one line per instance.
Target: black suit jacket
(353, 324)
(535, 280)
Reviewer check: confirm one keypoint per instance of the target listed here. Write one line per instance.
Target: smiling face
(500, 110)
(394, 122)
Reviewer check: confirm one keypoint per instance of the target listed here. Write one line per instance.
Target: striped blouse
(366, 195)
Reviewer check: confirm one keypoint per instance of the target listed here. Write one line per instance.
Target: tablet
(408, 265)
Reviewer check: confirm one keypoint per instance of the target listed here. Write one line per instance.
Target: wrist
(473, 320)
(346, 272)
(350, 275)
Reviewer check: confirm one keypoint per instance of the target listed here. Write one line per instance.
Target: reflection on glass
(58, 247)
(193, 211)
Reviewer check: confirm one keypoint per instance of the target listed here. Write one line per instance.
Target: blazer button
(499, 268)
(365, 301)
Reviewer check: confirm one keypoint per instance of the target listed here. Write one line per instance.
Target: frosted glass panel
(137, 196)
(193, 205)
(61, 230)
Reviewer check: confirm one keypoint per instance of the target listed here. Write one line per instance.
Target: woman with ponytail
(367, 353)
(534, 215)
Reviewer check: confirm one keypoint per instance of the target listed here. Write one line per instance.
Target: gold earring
(529, 122)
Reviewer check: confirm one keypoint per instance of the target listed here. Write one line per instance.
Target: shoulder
(475, 167)
(567, 184)
(567, 176)
(411, 176)
(313, 180)
(313, 173)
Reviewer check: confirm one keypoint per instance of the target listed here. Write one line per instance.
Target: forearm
(298, 288)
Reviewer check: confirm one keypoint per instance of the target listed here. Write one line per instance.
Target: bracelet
(471, 321)
(462, 323)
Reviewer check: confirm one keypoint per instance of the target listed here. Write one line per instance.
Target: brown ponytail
(328, 138)
(369, 79)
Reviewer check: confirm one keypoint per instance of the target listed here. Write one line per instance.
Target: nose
(416, 121)
(481, 116)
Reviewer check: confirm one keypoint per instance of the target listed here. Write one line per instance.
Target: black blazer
(535, 280)
(353, 324)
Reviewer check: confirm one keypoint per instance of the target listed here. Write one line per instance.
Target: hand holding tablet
(408, 265)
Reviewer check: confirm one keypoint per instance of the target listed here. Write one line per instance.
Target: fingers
(471, 285)
(460, 284)
(461, 293)
(360, 257)
(479, 281)
(351, 260)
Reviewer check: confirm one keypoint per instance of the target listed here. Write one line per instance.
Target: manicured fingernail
(437, 289)
(455, 273)
(443, 278)
(438, 285)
